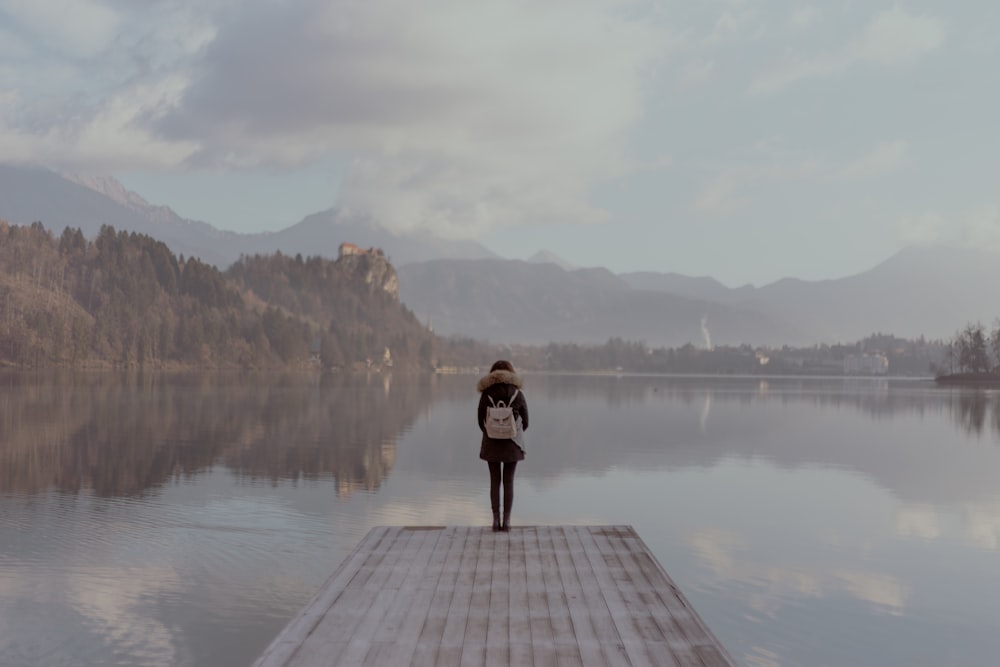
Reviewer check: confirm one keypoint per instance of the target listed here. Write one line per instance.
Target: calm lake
(183, 519)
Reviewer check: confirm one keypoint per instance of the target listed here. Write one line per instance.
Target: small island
(973, 358)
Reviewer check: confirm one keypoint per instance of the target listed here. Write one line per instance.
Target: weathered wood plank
(682, 630)
(432, 632)
(567, 648)
(544, 595)
(590, 648)
(609, 580)
(396, 640)
(453, 638)
(543, 645)
(626, 574)
(656, 596)
(474, 646)
(613, 650)
(380, 590)
(498, 621)
(518, 624)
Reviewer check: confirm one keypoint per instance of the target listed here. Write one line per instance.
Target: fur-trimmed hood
(499, 377)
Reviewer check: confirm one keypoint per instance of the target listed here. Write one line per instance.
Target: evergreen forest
(124, 299)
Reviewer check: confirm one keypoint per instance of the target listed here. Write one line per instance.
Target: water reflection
(976, 411)
(181, 520)
(121, 435)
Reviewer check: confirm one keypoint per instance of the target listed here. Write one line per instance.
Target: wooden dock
(538, 595)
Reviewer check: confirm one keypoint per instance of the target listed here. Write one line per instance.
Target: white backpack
(500, 423)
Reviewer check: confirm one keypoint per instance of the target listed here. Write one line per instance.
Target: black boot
(496, 520)
(506, 522)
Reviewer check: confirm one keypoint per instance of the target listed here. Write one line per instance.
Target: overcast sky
(743, 139)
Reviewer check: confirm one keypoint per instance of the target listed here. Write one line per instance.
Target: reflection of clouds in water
(982, 525)
(715, 548)
(885, 592)
(472, 508)
(111, 600)
(446, 511)
(779, 585)
(917, 521)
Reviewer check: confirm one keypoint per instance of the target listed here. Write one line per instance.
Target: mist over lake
(183, 519)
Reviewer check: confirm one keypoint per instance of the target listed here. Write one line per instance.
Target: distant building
(866, 364)
(352, 249)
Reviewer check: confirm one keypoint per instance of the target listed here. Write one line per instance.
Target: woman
(502, 384)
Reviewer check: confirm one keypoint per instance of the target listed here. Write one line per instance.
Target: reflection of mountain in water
(878, 397)
(122, 435)
(910, 436)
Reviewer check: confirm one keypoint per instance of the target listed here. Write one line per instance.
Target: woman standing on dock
(502, 385)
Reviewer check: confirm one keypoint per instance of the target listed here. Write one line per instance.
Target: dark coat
(500, 386)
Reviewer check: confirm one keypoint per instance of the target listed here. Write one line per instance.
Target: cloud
(891, 38)
(453, 115)
(78, 28)
(88, 104)
(975, 228)
(804, 17)
(885, 158)
(734, 187)
(733, 23)
(456, 116)
(108, 135)
(922, 228)
(696, 72)
(896, 36)
(982, 226)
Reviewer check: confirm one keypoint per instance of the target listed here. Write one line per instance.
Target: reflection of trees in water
(347, 429)
(974, 410)
(120, 435)
(871, 395)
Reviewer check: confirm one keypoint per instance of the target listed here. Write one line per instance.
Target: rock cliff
(372, 267)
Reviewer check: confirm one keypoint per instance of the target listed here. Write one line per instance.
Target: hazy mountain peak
(548, 257)
(113, 189)
(110, 187)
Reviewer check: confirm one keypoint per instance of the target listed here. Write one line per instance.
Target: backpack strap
(504, 404)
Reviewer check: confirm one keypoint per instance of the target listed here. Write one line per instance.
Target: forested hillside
(353, 305)
(125, 299)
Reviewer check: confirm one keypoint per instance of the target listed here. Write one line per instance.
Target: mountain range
(29, 194)
(462, 288)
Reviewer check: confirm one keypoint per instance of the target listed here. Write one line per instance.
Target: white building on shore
(866, 364)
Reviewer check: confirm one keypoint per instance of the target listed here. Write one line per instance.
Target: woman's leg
(508, 491)
(495, 492)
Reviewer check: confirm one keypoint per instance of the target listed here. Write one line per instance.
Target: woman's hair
(502, 365)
